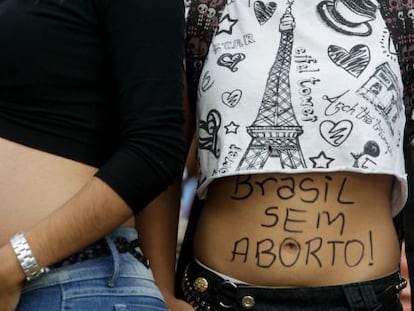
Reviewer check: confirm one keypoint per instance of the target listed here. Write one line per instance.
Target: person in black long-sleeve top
(91, 130)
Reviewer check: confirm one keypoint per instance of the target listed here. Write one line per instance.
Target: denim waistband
(108, 266)
(208, 291)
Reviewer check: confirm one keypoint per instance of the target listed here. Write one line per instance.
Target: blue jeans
(117, 282)
(208, 291)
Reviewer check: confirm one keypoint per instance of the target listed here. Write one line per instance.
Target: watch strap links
(25, 257)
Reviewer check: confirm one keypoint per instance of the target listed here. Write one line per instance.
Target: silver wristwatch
(25, 257)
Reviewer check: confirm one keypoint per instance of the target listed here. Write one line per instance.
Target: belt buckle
(231, 286)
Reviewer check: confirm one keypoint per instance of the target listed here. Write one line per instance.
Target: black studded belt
(101, 249)
(207, 291)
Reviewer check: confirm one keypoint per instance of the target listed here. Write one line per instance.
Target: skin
(226, 219)
(64, 216)
(70, 213)
(162, 251)
(275, 235)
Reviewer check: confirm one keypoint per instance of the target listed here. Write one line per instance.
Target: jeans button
(248, 302)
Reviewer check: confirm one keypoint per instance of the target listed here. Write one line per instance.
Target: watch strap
(25, 257)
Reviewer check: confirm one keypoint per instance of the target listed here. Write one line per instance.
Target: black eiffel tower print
(276, 130)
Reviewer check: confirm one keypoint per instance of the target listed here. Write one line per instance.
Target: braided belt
(101, 249)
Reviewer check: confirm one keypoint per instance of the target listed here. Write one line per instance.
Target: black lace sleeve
(397, 17)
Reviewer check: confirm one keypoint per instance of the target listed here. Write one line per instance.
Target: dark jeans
(206, 290)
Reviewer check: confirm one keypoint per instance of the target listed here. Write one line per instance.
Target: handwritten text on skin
(288, 251)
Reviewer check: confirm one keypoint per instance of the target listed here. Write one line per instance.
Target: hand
(9, 298)
(178, 305)
(11, 279)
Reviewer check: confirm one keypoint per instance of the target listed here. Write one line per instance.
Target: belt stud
(200, 284)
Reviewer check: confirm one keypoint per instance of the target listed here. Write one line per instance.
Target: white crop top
(301, 86)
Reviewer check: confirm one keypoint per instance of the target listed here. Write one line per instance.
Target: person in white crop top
(299, 133)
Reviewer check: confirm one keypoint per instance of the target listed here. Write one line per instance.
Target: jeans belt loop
(115, 257)
(361, 297)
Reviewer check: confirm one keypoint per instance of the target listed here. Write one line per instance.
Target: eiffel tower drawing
(275, 131)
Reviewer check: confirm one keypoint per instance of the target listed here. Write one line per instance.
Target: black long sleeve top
(99, 82)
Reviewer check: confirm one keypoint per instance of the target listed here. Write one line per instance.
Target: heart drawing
(231, 99)
(264, 11)
(354, 62)
(231, 60)
(335, 133)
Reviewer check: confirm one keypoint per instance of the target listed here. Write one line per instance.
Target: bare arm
(157, 226)
(92, 213)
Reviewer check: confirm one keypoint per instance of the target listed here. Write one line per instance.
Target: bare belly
(299, 230)
(33, 184)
